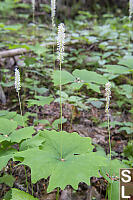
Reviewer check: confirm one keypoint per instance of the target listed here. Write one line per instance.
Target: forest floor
(94, 45)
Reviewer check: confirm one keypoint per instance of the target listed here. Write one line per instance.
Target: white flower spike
(53, 8)
(108, 95)
(17, 80)
(130, 8)
(33, 5)
(61, 42)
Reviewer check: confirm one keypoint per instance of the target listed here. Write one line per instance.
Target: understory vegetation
(66, 114)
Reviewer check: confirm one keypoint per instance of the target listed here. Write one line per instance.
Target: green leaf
(8, 195)
(93, 87)
(21, 134)
(78, 159)
(21, 195)
(113, 190)
(127, 61)
(10, 115)
(15, 27)
(15, 117)
(116, 69)
(113, 124)
(7, 126)
(32, 143)
(89, 76)
(38, 49)
(41, 101)
(43, 121)
(127, 90)
(96, 103)
(112, 169)
(3, 113)
(5, 156)
(66, 77)
(56, 123)
(7, 179)
(75, 86)
(41, 90)
(4, 138)
(129, 130)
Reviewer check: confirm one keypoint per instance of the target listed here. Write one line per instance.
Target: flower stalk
(108, 96)
(18, 87)
(53, 9)
(60, 57)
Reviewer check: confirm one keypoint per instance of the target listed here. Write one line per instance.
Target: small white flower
(53, 8)
(130, 8)
(17, 80)
(108, 95)
(33, 5)
(61, 42)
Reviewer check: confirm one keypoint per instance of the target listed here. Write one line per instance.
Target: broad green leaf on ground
(81, 167)
(66, 77)
(113, 124)
(77, 159)
(21, 134)
(5, 156)
(10, 115)
(96, 103)
(126, 90)
(4, 138)
(3, 113)
(116, 69)
(19, 119)
(21, 195)
(32, 143)
(127, 61)
(15, 117)
(7, 179)
(129, 130)
(89, 76)
(7, 126)
(75, 86)
(94, 87)
(41, 101)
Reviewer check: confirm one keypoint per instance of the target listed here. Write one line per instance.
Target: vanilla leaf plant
(78, 162)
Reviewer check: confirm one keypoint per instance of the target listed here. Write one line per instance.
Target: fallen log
(12, 52)
(21, 51)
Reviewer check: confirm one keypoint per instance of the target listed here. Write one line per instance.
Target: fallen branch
(21, 51)
(13, 52)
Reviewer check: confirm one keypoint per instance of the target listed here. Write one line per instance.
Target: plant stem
(60, 109)
(23, 125)
(53, 57)
(57, 194)
(129, 33)
(20, 108)
(32, 188)
(109, 136)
